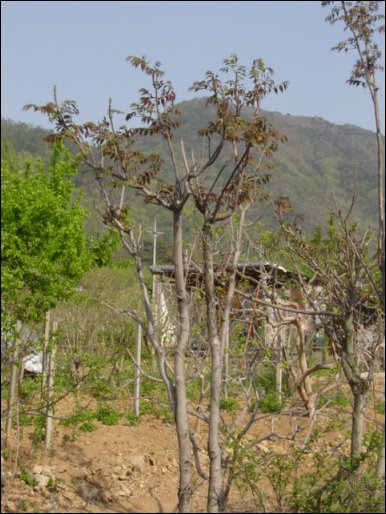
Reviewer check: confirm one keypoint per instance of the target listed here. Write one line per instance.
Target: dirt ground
(125, 468)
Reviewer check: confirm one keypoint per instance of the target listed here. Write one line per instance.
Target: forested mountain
(319, 161)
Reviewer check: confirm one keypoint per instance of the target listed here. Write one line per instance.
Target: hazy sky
(82, 46)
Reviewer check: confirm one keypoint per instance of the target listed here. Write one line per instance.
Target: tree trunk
(359, 387)
(215, 470)
(381, 459)
(13, 379)
(357, 426)
(181, 415)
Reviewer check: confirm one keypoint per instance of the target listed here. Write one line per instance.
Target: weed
(107, 416)
(336, 424)
(27, 478)
(133, 419)
(24, 507)
(380, 407)
(339, 400)
(229, 404)
(77, 417)
(39, 432)
(29, 387)
(89, 426)
(6, 453)
(271, 403)
(25, 420)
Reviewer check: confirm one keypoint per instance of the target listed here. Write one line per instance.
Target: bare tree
(340, 265)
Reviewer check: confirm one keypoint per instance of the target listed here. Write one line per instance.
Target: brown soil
(127, 468)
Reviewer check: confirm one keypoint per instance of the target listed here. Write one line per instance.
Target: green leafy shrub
(27, 478)
(133, 419)
(78, 416)
(89, 426)
(271, 403)
(228, 404)
(39, 433)
(107, 416)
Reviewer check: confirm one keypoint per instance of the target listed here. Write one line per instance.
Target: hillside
(319, 158)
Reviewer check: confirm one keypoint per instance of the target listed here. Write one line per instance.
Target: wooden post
(226, 362)
(45, 356)
(13, 381)
(137, 370)
(279, 369)
(50, 383)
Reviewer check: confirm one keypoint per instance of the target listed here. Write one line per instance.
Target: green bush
(27, 478)
(79, 416)
(107, 416)
(89, 426)
(228, 404)
(271, 403)
(133, 419)
(40, 430)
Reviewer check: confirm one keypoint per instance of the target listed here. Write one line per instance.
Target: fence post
(50, 362)
(137, 370)
(45, 356)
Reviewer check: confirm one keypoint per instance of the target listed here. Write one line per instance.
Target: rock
(42, 480)
(137, 462)
(37, 469)
(88, 492)
(263, 447)
(124, 477)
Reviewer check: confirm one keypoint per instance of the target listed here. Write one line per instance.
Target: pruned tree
(240, 143)
(350, 291)
(363, 21)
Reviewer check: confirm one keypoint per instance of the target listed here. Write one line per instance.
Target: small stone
(137, 462)
(42, 480)
(123, 477)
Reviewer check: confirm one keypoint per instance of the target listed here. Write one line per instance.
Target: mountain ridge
(319, 161)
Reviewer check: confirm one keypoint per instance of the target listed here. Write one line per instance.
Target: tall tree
(45, 248)
(363, 21)
(227, 177)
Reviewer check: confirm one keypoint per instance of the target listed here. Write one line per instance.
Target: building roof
(249, 270)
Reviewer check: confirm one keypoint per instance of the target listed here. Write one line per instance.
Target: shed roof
(248, 270)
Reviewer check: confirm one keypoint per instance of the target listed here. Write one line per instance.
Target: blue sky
(81, 47)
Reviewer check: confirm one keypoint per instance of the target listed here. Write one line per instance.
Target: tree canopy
(45, 247)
